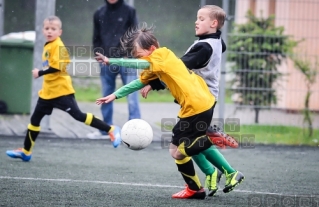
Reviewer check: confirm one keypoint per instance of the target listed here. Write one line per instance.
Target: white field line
(122, 183)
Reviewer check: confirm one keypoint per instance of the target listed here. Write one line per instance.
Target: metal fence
(262, 49)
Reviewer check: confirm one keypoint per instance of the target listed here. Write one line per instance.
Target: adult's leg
(127, 76)
(108, 76)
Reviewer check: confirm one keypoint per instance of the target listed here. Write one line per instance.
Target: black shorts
(188, 129)
(65, 103)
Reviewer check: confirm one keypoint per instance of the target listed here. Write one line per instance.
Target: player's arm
(198, 56)
(127, 89)
(122, 92)
(37, 73)
(48, 71)
(125, 62)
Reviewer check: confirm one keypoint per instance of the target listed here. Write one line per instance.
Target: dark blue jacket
(111, 21)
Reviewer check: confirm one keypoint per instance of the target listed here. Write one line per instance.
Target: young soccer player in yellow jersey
(191, 92)
(204, 58)
(57, 91)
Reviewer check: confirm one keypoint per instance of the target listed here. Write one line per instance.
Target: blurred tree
(257, 48)
(309, 69)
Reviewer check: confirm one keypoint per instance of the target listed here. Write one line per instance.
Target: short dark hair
(143, 36)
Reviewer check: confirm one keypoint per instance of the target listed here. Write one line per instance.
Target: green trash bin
(16, 63)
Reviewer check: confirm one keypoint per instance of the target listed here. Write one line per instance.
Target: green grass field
(279, 135)
(287, 135)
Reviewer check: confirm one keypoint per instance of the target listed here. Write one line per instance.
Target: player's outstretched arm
(101, 58)
(122, 92)
(145, 90)
(127, 89)
(125, 62)
(106, 99)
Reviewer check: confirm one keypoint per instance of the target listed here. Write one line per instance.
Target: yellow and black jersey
(189, 89)
(57, 84)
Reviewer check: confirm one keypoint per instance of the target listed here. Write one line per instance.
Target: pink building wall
(300, 20)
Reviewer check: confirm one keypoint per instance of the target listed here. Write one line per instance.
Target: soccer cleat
(115, 136)
(190, 194)
(232, 180)
(212, 181)
(219, 138)
(19, 153)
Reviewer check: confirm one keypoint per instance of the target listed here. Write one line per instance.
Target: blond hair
(215, 12)
(54, 18)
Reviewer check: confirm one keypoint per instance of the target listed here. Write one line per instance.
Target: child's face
(140, 52)
(204, 25)
(51, 30)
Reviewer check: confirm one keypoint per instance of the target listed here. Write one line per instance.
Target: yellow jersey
(57, 84)
(189, 89)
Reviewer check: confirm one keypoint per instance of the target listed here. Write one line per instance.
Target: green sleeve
(133, 86)
(130, 63)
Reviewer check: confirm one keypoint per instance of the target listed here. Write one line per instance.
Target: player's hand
(106, 99)
(144, 91)
(101, 58)
(35, 73)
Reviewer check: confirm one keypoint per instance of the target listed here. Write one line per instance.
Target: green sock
(204, 165)
(218, 160)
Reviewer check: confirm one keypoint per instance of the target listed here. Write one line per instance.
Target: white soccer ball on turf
(137, 134)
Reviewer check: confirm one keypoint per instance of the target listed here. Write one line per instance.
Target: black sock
(186, 168)
(96, 123)
(31, 136)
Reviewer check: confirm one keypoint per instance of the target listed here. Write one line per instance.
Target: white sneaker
(97, 135)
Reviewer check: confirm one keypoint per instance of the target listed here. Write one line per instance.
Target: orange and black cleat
(221, 139)
(190, 194)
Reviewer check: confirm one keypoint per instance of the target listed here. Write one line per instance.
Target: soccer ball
(137, 134)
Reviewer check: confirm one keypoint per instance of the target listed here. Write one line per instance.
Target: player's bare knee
(179, 155)
(175, 153)
(172, 150)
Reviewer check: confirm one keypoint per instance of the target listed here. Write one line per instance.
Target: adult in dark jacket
(111, 21)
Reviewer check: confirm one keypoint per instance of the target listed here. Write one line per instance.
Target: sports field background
(81, 172)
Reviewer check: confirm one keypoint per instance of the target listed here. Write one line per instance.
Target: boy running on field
(57, 91)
